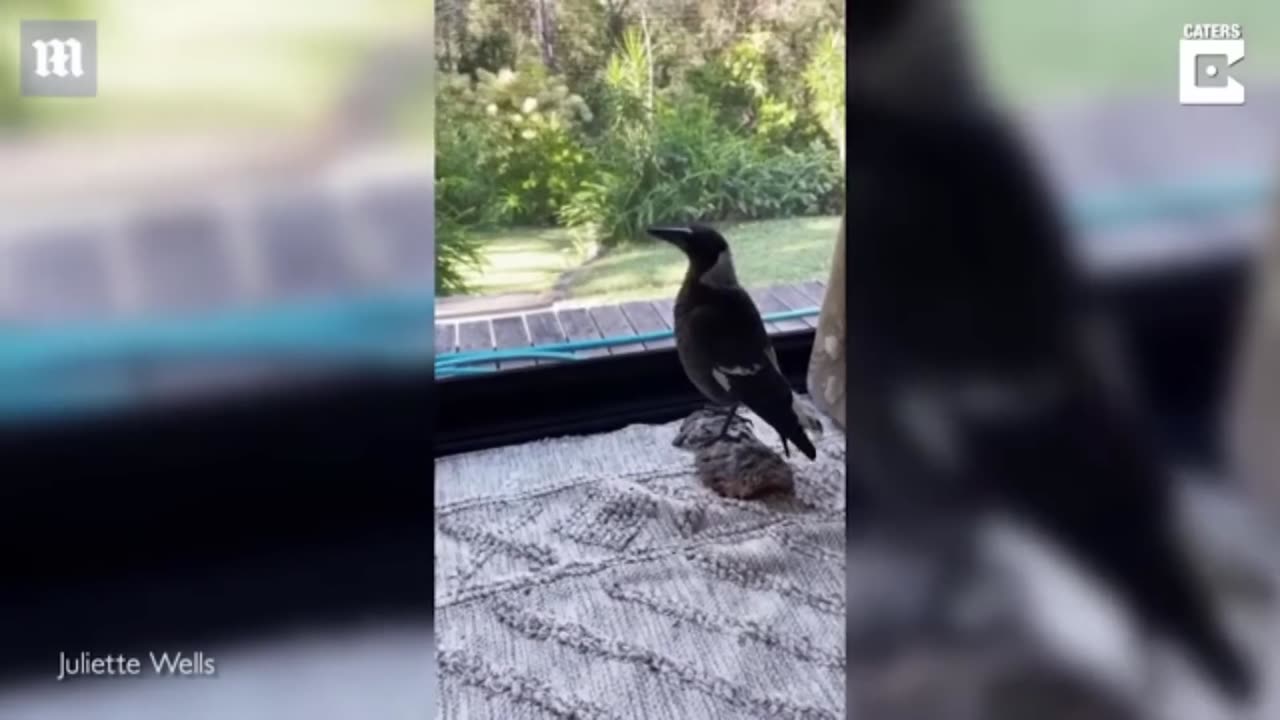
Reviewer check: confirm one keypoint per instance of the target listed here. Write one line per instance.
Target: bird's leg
(733, 410)
(786, 449)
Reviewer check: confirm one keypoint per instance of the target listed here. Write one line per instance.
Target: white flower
(491, 109)
(530, 104)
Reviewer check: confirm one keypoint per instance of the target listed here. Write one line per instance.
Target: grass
(766, 252)
(529, 260)
(523, 260)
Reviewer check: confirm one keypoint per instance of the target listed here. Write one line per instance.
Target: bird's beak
(678, 236)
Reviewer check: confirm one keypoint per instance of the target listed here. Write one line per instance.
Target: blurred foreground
(249, 181)
(236, 160)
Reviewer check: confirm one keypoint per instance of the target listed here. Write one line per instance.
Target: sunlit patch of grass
(522, 260)
(767, 252)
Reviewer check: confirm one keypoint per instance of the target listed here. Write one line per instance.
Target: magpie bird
(982, 375)
(721, 339)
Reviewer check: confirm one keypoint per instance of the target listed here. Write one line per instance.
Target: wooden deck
(544, 327)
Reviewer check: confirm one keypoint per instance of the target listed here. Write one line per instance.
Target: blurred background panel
(1097, 83)
(1095, 49)
(1173, 205)
(245, 203)
(1169, 200)
(239, 160)
(1110, 74)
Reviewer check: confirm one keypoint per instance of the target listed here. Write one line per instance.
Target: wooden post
(1253, 423)
(826, 378)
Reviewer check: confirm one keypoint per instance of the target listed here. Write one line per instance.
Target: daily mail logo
(59, 58)
(1206, 54)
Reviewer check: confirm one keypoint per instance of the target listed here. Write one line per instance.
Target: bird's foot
(728, 422)
(723, 410)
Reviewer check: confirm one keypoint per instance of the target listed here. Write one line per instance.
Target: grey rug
(594, 577)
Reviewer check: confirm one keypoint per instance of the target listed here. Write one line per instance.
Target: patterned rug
(595, 577)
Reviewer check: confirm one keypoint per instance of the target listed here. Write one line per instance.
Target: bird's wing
(773, 356)
(737, 347)
(743, 363)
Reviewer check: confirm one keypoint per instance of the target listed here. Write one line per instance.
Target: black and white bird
(981, 375)
(982, 378)
(722, 342)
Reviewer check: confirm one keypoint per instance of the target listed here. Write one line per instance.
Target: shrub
(825, 78)
(463, 197)
(691, 167)
(517, 132)
(457, 250)
(748, 129)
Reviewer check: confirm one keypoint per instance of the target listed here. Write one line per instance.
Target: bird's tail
(1191, 618)
(1174, 601)
(789, 428)
(774, 401)
(802, 441)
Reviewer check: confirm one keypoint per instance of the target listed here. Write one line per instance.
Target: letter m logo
(60, 58)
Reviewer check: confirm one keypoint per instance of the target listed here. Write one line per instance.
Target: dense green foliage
(605, 116)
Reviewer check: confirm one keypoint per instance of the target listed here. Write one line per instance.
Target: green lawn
(522, 260)
(526, 260)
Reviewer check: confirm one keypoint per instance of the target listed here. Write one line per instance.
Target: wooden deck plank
(509, 333)
(795, 300)
(578, 325)
(446, 338)
(612, 323)
(645, 318)
(476, 335)
(544, 329)
(776, 305)
(667, 309)
(767, 304)
(814, 291)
